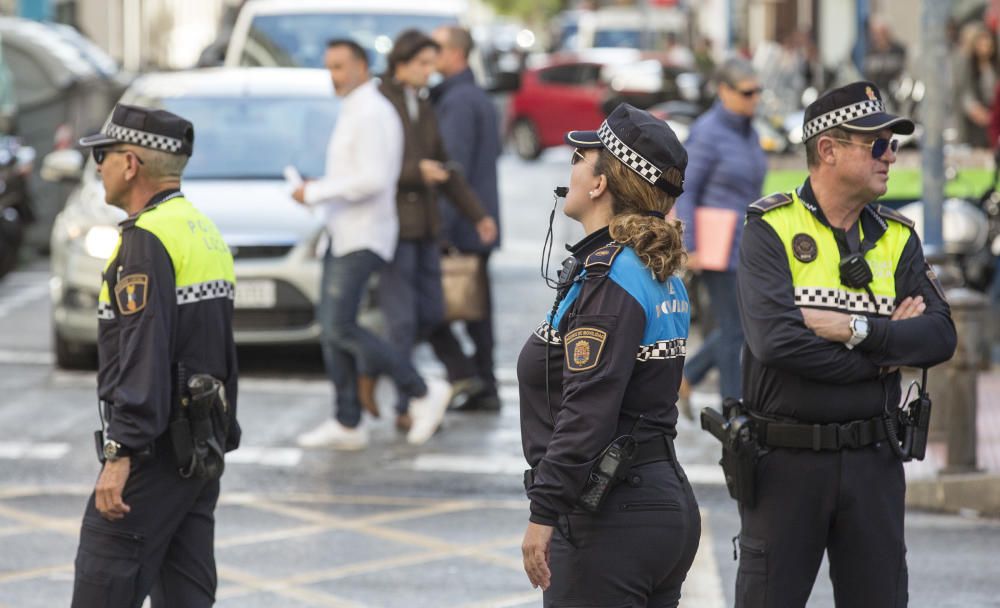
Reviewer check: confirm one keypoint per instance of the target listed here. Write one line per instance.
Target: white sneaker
(428, 412)
(333, 434)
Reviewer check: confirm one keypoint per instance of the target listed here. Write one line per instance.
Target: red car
(576, 91)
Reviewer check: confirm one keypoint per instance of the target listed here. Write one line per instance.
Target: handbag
(464, 285)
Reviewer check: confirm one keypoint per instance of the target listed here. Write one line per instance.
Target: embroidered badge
(935, 282)
(603, 256)
(804, 248)
(131, 292)
(870, 93)
(584, 346)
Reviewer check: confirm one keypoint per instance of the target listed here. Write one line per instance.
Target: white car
(249, 125)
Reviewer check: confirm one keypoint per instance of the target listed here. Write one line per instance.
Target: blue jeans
(348, 348)
(722, 346)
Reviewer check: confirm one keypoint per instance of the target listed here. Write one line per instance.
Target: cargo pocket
(751, 577)
(107, 565)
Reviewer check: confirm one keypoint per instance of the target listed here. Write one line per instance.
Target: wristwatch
(859, 330)
(114, 450)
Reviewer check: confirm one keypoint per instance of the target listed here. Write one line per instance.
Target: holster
(740, 448)
(199, 427)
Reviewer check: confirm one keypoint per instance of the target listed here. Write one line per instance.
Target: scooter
(15, 201)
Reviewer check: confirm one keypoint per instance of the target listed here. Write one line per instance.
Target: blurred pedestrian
(725, 173)
(885, 58)
(975, 85)
(357, 199)
(410, 289)
(603, 371)
(470, 132)
(165, 317)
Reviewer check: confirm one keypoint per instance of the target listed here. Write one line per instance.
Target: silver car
(249, 125)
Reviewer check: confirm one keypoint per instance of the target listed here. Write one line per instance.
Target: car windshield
(624, 38)
(299, 40)
(256, 138)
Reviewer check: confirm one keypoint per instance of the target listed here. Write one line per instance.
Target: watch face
(110, 449)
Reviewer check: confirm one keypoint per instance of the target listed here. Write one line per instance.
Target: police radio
(912, 421)
(854, 271)
(611, 466)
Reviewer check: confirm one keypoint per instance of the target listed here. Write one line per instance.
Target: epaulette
(891, 214)
(773, 201)
(603, 256)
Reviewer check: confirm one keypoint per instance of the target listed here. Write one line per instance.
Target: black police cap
(856, 107)
(146, 127)
(644, 143)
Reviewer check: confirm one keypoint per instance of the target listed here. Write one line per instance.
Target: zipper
(651, 506)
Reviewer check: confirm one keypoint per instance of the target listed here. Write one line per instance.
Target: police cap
(856, 107)
(146, 127)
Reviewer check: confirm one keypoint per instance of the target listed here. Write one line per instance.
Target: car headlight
(100, 242)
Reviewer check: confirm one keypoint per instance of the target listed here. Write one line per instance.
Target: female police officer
(599, 379)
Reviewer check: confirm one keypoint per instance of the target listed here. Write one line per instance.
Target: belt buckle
(817, 437)
(849, 435)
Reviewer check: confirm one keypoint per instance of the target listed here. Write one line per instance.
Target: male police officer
(835, 295)
(165, 315)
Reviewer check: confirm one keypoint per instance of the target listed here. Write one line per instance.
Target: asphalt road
(436, 526)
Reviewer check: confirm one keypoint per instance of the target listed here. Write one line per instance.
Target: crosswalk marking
(26, 450)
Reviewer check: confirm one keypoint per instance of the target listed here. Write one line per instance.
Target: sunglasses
(878, 146)
(577, 157)
(750, 92)
(102, 153)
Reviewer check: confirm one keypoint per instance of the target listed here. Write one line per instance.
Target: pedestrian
(835, 295)
(470, 132)
(977, 77)
(357, 199)
(598, 378)
(410, 289)
(726, 169)
(165, 317)
(885, 58)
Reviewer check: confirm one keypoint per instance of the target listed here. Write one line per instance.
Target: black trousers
(163, 548)
(635, 552)
(848, 503)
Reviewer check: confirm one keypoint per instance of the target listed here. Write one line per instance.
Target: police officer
(835, 295)
(166, 310)
(604, 368)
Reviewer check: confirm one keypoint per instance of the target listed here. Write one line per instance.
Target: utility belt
(818, 437)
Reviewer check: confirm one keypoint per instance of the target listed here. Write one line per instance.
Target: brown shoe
(403, 423)
(366, 394)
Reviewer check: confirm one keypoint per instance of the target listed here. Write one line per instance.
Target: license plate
(255, 294)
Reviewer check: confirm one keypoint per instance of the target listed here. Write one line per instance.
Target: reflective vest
(814, 257)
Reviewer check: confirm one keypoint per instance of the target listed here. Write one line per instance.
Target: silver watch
(859, 330)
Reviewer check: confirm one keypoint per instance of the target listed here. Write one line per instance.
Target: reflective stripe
(849, 301)
(664, 349)
(209, 290)
(105, 312)
(548, 334)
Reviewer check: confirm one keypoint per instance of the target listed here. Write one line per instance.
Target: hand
(487, 230)
(433, 172)
(829, 325)
(300, 194)
(110, 485)
(693, 263)
(909, 308)
(535, 550)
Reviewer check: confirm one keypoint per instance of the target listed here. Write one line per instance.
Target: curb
(957, 493)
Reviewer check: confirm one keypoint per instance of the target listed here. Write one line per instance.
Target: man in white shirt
(357, 197)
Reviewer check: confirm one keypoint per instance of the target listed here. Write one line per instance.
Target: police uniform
(165, 309)
(613, 349)
(829, 480)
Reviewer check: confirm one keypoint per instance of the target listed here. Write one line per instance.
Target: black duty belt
(653, 450)
(836, 436)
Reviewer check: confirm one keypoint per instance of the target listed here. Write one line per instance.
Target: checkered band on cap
(143, 138)
(627, 155)
(840, 116)
(209, 290)
(664, 349)
(847, 301)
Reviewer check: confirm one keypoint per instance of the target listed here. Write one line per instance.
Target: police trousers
(848, 503)
(163, 548)
(635, 552)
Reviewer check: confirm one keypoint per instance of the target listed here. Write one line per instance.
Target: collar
(590, 243)
(360, 92)
(872, 225)
(732, 119)
(157, 199)
(464, 77)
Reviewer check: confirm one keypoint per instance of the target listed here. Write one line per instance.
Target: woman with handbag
(614, 521)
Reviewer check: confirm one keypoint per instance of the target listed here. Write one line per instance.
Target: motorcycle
(15, 203)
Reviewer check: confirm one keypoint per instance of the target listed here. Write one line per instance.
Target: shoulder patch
(131, 292)
(773, 201)
(584, 346)
(891, 214)
(603, 256)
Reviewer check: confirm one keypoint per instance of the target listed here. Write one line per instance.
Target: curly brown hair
(656, 241)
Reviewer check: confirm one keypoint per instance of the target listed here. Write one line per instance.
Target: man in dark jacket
(410, 289)
(471, 135)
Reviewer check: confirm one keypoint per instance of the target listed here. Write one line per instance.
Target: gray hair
(734, 71)
(163, 165)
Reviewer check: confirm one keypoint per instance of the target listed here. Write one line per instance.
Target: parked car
(249, 125)
(16, 212)
(577, 91)
(64, 87)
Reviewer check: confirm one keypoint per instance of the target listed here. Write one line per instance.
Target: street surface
(394, 526)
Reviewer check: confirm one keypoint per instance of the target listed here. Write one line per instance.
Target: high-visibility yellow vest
(814, 258)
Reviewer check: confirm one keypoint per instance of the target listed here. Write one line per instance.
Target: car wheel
(73, 355)
(526, 141)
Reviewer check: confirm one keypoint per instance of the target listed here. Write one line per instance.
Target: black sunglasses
(102, 153)
(878, 146)
(577, 157)
(750, 92)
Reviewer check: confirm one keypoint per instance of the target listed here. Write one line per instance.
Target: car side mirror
(62, 166)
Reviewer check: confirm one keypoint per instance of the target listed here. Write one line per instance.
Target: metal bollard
(957, 387)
